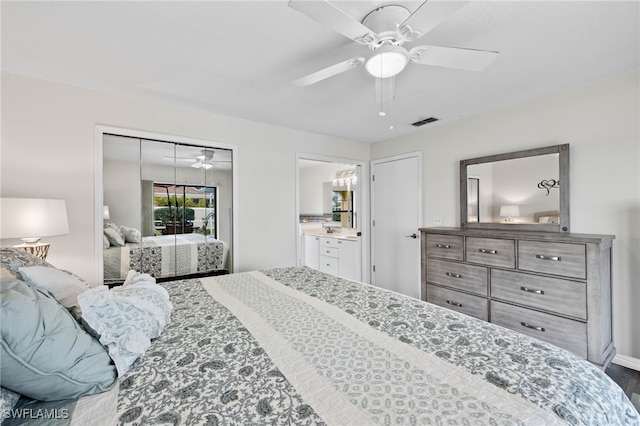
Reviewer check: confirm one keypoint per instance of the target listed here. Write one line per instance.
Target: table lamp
(30, 219)
(509, 211)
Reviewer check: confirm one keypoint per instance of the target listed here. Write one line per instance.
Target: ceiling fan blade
(452, 57)
(333, 17)
(329, 71)
(429, 15)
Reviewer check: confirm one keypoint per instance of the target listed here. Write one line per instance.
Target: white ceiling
(239, 58)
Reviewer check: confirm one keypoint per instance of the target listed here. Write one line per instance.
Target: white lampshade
(33, 218)
(105, 213)
(387, 62)
(509, 211)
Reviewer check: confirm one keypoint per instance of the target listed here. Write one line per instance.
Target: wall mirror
(172, 205)
(524, 190)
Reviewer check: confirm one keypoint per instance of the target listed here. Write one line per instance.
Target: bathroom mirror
(524, 190)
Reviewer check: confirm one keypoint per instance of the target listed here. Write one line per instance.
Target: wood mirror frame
(564, 188)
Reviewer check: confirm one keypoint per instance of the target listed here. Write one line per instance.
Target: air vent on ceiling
(425, 121)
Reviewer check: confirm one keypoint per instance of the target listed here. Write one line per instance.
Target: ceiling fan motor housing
(385, 21)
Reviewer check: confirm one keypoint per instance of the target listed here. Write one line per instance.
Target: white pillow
(114, 237)
(105, 242)
(131, 235)
(126, 317)
(549, 219)
(64, 286)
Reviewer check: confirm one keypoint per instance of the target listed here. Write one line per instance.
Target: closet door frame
(99, 132)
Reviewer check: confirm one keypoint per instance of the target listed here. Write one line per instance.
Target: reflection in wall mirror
(329, 193)
(171, 202)
(528, 190)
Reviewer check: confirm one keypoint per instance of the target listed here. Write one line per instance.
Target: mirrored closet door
(168, 208)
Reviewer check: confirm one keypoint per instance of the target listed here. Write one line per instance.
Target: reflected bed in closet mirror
(526, 190)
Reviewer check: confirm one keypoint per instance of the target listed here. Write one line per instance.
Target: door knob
(411, 236)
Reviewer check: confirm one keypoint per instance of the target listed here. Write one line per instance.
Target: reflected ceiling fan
(384, 31)
(203, 161)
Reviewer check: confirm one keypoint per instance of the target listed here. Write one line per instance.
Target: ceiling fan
(384, 31)
(202, 161)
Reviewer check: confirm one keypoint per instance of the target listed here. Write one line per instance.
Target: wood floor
(628, 380)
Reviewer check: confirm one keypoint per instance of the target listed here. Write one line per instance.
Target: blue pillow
(45, 354)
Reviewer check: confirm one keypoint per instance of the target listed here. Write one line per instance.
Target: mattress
(297, 346)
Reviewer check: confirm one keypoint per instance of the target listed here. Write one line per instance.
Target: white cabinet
(311, 251)
(349, 259)
(334, 255)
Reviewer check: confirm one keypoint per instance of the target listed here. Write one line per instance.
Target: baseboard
(627, 361)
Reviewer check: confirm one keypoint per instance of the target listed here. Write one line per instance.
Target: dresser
(552, 286)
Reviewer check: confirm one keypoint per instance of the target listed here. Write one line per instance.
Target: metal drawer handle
(531, 326)
(531, 291)
(488, 251)
(459, 305)
(541, 256)
(450, 274)
(444, 246)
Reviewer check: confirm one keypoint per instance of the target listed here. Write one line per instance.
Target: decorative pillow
(131, 235)
(8, 399)
(105, 242)
(549, 219)
(126, 317)
(114, 227)
(12, 258)
(45, 354)
(64, 286)
(114, 237)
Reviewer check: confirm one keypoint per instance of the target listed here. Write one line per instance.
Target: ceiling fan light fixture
(388, 61)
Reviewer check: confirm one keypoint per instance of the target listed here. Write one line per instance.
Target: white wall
(48, 149)
(601, 123)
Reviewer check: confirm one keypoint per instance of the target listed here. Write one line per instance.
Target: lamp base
(31, 240)
(40, 250)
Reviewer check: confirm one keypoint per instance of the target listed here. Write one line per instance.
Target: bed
(552, 216)
(297, 346)
(165, 255)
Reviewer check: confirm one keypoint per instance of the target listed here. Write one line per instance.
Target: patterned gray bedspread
(166, 255)
(296, 346)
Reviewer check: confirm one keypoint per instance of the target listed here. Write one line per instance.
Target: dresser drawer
(491, 251)
(565, 333)
(568, 260)
(445, 246)
(328, 264)
(458, 275)
(329, 251)
(550, 294)
(468, 304)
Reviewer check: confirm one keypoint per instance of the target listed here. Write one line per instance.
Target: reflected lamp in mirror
(509, 212)
(30, 219)
(105, 213)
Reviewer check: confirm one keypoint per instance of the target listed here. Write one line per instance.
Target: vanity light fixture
(346, 177)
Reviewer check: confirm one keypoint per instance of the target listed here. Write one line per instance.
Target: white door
(396, 211)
